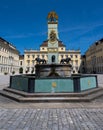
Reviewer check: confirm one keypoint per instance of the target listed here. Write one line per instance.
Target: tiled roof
(61, 44)
(3, 40)
(45, 44)
(9, 44)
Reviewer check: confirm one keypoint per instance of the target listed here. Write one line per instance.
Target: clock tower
(52, 38)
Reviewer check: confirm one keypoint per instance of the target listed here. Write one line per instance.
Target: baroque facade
(52, 47)
(94, 58)
(9, 58)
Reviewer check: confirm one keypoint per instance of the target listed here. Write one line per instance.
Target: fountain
(53, 76)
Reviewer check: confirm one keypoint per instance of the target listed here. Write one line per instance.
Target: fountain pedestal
(53, 70)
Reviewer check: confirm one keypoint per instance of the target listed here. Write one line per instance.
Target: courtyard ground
(50, 116)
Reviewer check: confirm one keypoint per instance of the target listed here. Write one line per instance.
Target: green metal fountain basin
(30, 84)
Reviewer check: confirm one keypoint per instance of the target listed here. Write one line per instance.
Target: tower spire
(52, 23)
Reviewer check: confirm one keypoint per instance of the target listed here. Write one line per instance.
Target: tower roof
(52, 16)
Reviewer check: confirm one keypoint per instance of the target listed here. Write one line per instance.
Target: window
(38, 56)
(62, 48)
(66, 56)
(71, 56)
(33, 56)
(42, 48)
(76, 62)
(62, 56)
(20, 62)
(42, 56)
(28, 62)
(76, 56)
(28, 56)
(33, 61)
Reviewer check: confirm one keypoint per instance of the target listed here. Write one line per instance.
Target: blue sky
(24, 22)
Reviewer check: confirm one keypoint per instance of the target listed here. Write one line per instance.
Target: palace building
(94, 58)
(9, 58)
(51, 48)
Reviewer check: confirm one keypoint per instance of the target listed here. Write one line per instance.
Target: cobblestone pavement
(51, 116)
(51, 119)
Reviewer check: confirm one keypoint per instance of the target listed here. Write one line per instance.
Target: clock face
(53, 36)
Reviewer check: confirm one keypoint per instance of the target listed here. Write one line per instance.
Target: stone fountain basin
(44, 70)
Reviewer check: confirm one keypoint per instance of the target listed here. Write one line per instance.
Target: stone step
(95, 95)
(63, 99)
(10, 95)
(19, 98)
(25, 94)
(52, 99)
(38, 99)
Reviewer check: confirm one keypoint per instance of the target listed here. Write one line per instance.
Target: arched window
(53, 59)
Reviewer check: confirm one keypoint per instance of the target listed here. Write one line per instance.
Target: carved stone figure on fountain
(65, 61)
(39, 61)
